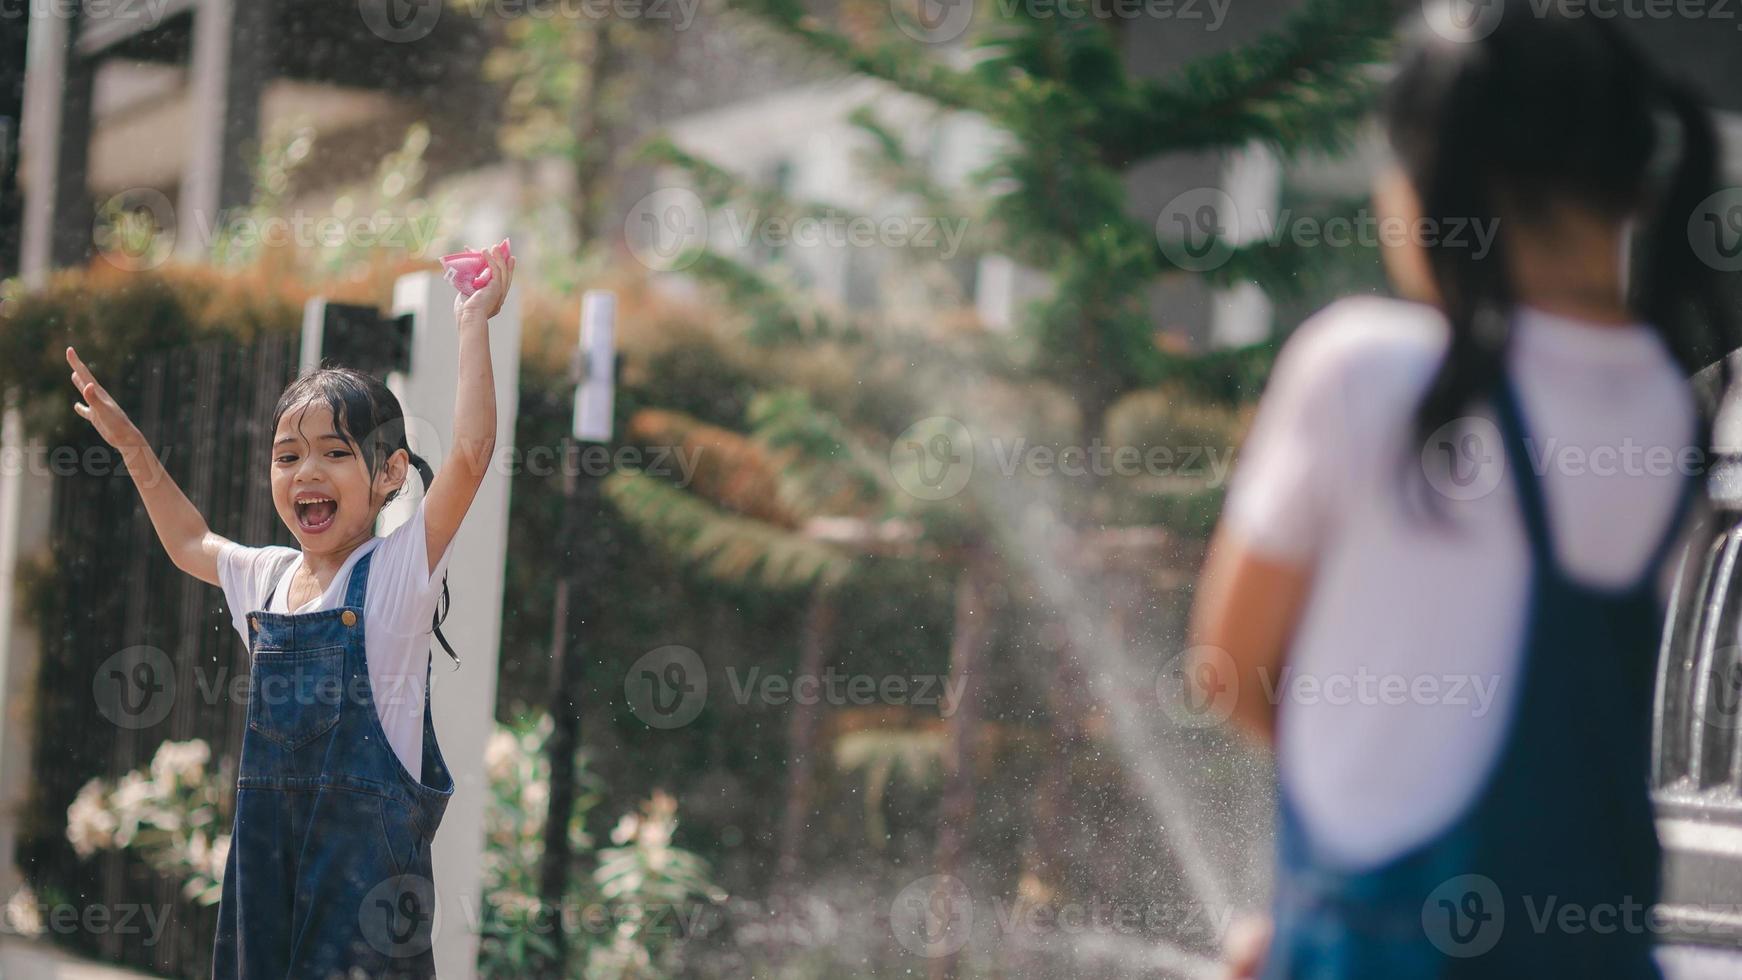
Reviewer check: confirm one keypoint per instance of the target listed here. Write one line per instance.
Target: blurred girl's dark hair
(1563, 110)
(361, 403)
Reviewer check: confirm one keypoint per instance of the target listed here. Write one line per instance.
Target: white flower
(132, 793)
(90, 823)
(535, 795)
(219, 856)
(500, 755)
(181, 761)
(24, 913)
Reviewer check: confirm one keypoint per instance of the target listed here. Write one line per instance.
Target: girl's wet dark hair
(361, 403)
(1545, 109)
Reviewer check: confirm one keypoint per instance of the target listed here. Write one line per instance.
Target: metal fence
(206, 410)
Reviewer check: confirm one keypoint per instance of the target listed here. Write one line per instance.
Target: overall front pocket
(295, 697)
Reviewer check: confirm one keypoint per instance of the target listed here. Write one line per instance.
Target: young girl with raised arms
(341, 785)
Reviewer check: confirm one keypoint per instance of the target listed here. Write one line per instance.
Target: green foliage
(887, 756)
(723, 545)
(115, 316)
(1302, 86)
(169, 814)
(829, 471)
(615, 896)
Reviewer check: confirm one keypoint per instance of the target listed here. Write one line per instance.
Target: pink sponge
(469, 271)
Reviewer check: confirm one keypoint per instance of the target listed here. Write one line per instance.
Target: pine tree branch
(1296, 88)
(724, 546)
(775, 314)
(901, 63)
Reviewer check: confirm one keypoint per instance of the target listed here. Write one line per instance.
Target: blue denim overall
(1550, 871)
(329, 867)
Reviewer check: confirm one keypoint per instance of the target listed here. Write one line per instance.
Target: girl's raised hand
(487, 302)
(111, 422)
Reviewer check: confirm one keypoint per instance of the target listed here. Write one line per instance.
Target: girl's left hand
(487, 302)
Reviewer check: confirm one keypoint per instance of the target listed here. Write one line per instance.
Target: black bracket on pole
(360, 337)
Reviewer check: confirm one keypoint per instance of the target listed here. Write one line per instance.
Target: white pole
(463, 701)
(598, 351)
(26, 490)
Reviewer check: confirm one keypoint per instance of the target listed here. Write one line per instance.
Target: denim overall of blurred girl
(1563, 821)
(329, 867)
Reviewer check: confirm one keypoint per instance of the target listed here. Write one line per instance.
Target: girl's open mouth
(316, 514)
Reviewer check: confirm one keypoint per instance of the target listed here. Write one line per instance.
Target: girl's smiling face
(321, 486)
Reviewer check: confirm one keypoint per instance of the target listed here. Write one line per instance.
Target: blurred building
(172, 97)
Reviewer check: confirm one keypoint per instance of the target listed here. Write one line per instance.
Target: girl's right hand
(110, 421)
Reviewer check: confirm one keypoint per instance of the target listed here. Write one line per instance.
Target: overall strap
(359, 583)
(1533, 506)
(1531, 503)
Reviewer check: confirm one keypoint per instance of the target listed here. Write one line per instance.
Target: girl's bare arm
(190, 543)
(1246, 610)
(457, 482)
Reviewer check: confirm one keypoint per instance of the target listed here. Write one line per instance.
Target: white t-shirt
(398, 609)
(1401, 672)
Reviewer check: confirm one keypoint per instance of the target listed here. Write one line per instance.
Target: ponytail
(1544, 109)
(1678, 286)
(428, 476)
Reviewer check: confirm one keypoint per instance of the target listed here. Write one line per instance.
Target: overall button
(349, 617)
